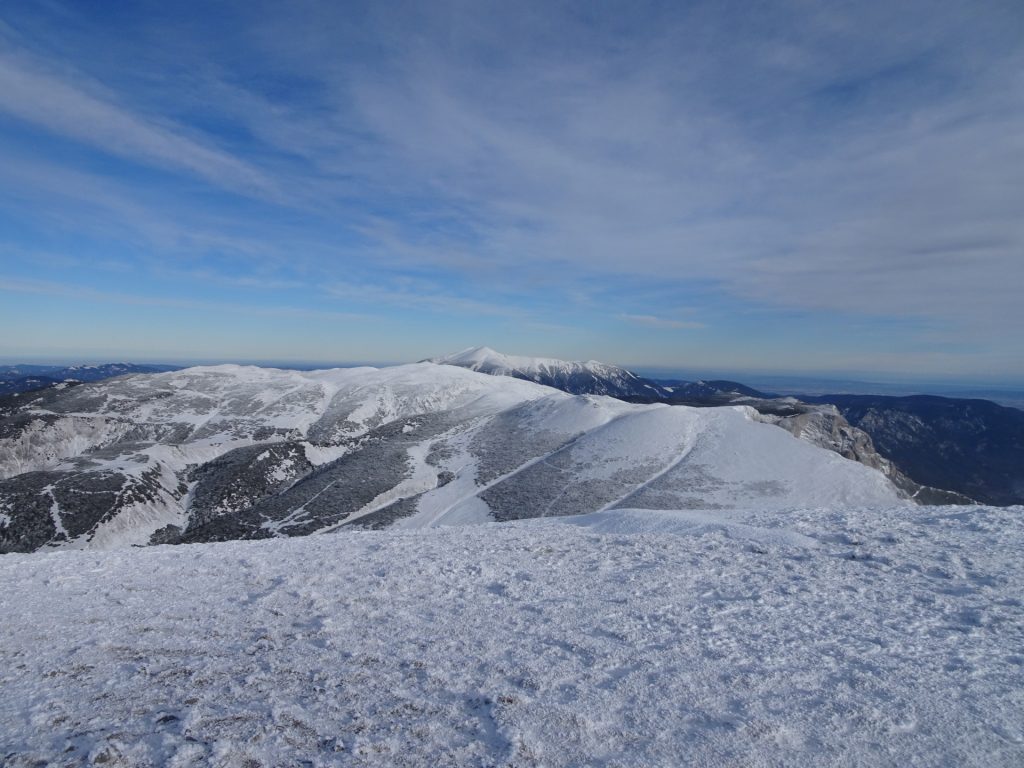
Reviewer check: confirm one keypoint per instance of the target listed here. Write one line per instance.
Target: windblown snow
(767, 636)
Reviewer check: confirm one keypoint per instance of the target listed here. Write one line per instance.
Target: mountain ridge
(576, 377)
(25, 378)
(819, 423)
(231, 452)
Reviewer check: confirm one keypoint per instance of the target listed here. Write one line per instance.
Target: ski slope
(798, 637)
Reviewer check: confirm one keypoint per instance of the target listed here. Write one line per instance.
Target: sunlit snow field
(779, 637)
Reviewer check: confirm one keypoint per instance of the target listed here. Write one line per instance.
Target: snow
(456, 502)
(490, 361)
(798, 637)
(422, 479)
(322, 454)
(486, 357)
(507, 448)
(43, 446)
(686, 523)
(55, 511)
(281, 471)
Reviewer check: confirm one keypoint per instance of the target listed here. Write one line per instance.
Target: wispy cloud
(85, 112)
(812, 210)
(78, 292)
(828, 161)
(411, 293)
(661, 322)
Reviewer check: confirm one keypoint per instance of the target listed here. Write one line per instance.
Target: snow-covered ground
(761, 637)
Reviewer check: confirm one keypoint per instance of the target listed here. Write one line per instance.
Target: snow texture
(798, 637)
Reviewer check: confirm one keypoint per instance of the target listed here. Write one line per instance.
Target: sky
(799, 187)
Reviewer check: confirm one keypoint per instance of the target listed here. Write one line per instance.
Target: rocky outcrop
(824, 426)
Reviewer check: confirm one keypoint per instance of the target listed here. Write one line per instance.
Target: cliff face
(972, 446)
(824, 426)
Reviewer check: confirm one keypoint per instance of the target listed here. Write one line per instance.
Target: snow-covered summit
(576, 377)
(487, 360)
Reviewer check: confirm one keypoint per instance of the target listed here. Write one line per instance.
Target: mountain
(577, 378)
(233, 452)
(646, 553)
(27, 383)
(975, 447)
(971, 449)
(24, 378)
(718, 389)
(17, 371)
(820, 424)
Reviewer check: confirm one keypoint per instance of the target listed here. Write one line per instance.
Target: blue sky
(789, 187)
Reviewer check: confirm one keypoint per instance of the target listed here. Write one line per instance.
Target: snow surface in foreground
(795, 637)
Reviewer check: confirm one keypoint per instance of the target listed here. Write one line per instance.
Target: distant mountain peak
(577, 377)
(484, 355)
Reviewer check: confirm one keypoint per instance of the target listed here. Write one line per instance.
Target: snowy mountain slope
(938, 450)
(229, 452)
(657, 457)
(797, 637)
(578, 378)
(110, 463)
(817, 423)
(721, 390)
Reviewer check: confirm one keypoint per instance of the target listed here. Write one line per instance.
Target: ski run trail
(758, 637)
